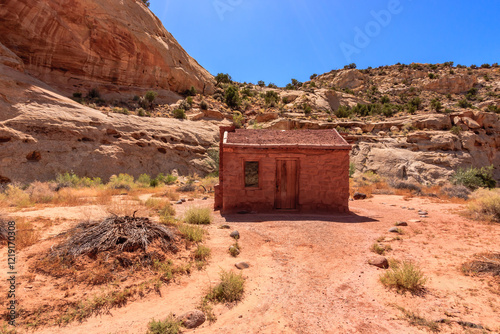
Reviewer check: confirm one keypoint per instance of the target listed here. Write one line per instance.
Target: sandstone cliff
(43, 133)
(117, 46)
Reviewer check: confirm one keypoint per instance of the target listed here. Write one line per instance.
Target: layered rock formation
(429, 155)
(117, 46)
(43, 133)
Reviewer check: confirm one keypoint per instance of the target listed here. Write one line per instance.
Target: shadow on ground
(349, 218)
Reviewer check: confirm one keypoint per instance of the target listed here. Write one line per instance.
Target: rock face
(43, 133)
(452, 84)
(118, 46)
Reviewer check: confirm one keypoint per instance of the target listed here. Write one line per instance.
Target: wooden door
(286, 184)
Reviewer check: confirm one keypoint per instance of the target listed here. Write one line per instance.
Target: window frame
(258, 174)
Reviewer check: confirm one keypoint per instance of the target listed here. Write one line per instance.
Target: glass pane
(251, 174)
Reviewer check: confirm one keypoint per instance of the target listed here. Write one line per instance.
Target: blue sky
(276, 40)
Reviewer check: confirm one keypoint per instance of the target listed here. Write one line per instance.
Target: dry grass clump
(380, 249)
(171, 194)
(485, 205)
(169, 325)
(14, 196)
(404, 276)
(115, 233)
(456, 191)
(26, 234)
(161, 206)
(4, 232)
(229, 290)
(484, 263)
(368, 183)
(198, 216)
(191, 232)
(41, 192)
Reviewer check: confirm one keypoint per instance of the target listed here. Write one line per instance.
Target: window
(251, 174)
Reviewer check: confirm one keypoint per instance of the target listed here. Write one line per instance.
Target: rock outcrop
(118, 46)
(43, 133)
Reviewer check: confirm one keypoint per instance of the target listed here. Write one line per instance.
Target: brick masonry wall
(323, 179)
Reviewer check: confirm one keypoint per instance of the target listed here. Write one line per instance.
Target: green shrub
(485, 66)
(238, 119)
(307, 108)
(144, 180)
(189, 100)
(168, 326)
(350, 66)
(192, 233)
(232, 97)
(72, 180)
(203, 105)
(404, 276)
(474, 178)
(150, 96)
(343, 112)
(161, 179)
(416, 102)
(486, 205)
(313, 76)
(271, 98)
(146, 2)
(464, 103)
(198, 216)
(235, 249)
(122, 181)
(385, 99)
(455, 130)
(432, 76)
(202, 253)
(271, 85)
(94, 94)
(191, 91)
(493, 108)
(436, 105)
(222, 78)
(77, 95)
(352, 169)
(230, 289)
(380, 249)
(261, 83)
(179, 113)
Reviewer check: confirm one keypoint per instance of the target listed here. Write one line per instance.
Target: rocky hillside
(118, 47)
(419, 122)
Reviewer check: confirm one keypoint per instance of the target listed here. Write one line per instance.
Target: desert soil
(309, 274)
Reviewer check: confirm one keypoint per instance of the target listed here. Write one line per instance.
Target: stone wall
(323, 182)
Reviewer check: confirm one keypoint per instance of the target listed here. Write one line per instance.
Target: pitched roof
(286, 138)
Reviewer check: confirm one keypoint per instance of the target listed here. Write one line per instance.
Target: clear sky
(276, 40)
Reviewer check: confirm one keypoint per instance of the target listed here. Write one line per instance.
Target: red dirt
(309, 274)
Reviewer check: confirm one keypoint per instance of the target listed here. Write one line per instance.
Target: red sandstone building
(273, 170)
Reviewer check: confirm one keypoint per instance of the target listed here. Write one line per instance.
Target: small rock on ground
(190, 199)
(242, 265)
(182, 199)
(235, 235)
(401, 224)
(224, 227)
(234, 250)
(358, 196)
(394, 230)
(192, 319)
(414, 220)
(178, 202)
(380, 262)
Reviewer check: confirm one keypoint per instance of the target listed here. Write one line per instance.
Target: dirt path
(309, 274)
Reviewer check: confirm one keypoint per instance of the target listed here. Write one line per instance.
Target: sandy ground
(309, 274)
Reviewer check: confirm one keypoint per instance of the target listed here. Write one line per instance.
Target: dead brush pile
(124, 234)
(100, 251)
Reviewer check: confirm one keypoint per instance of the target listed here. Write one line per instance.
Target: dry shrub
(198, 216)
(456, 191)
(68, 197)
(209, 182)
(368, 183)
(229, 290)
(485, 205)
(484, 263)
(4, 232)
(115, 233)
(171, 194)
(15, 196)
(161, 206)
(40, 192)
(404, 276)
(405, 185)
(26, 234)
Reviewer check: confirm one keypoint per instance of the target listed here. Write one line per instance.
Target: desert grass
(230, 289)
(209, 183)
(27, 234)
(14, 196)
(485, 205)
(404, 277)
(161, 206)
(201, 255)
(191, 233)
(380, 249)
(170, 325)
(198, 216)
(171, 194)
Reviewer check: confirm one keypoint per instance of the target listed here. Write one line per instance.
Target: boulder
(349, 79)
(359, 196)
(380, 262)
(192, 319)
